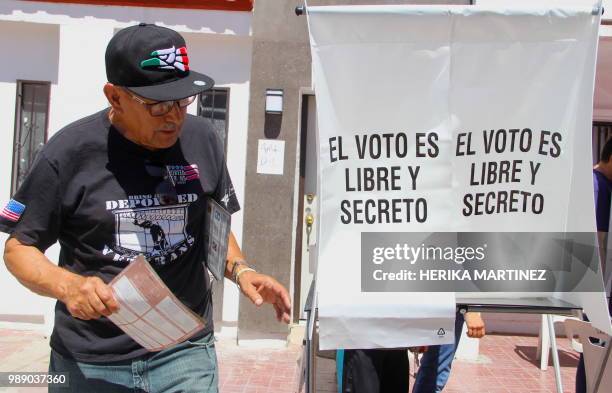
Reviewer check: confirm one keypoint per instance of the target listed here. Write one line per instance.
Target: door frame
(299, 197)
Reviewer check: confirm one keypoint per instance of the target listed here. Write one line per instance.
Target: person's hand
(261, 288)
(475, 325)
(89, 298)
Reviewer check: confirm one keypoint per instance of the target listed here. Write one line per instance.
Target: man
(437, 360)
(132, 179)
(602, 186)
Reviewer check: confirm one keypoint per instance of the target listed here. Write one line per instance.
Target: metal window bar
(214, 105)
(602, 131)
(31, 127)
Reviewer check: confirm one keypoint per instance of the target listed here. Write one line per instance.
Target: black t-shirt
(104, 199)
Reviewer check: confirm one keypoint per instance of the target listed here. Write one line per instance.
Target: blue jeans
(190, 366)
(436, 364)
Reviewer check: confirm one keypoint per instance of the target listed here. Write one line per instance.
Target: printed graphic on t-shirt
(158, 232)
(227, 196)
(184, 173)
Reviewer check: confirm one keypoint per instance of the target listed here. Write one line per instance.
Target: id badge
(217, 230)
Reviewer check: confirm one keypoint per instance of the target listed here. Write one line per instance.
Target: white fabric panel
(446, 70)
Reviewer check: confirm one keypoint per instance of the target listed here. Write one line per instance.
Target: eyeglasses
(160, 108)
(166, 189)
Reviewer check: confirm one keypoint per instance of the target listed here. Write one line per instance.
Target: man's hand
(89, 298)
(261, 288)
(85, 297)
(475, 325)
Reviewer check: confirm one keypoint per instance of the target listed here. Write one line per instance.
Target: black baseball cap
(152, 62)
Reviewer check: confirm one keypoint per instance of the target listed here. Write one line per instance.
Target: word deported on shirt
(136, 201)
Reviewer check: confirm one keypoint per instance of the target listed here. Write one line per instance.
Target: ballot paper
(217, 230)
(148, 311)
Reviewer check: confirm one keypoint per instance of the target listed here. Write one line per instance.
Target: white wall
(39, 62)
(65, 44)
(32, 53)
(82, 73)
(183, 20)
(228, 61)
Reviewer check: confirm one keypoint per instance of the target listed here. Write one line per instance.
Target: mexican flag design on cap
(168, 59)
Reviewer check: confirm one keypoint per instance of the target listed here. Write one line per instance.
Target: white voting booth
(448, 120)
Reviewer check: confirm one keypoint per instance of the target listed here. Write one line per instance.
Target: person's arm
(259, 288)
(85, 297)
(475, 325)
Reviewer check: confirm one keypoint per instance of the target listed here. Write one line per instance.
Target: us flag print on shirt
(13, 210)
(181, 174)
(191, 172)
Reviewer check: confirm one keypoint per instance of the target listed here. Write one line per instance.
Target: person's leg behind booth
(375, 371)
(580, 376)
(396, 371)
(436, 363)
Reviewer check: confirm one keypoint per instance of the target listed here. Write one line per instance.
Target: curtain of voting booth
(455, 158)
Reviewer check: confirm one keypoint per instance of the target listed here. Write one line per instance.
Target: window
(31, 122)
(213, 104)
(601, 132)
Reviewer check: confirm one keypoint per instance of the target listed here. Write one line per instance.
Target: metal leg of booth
(310, 344)
(555, 353)
(605, 373)
(307, 380)
(310, 355)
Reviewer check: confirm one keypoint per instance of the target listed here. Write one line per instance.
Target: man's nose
(176, 113)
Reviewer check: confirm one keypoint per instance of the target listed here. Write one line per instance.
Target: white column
(81, 74)
(37, 46)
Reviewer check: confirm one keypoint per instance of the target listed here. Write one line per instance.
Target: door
(306, 238)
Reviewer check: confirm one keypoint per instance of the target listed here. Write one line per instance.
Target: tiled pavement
(507, 364)
(250, 370)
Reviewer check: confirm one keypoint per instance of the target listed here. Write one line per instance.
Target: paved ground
(507, 364)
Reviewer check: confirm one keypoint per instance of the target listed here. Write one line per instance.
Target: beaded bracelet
(246, 269)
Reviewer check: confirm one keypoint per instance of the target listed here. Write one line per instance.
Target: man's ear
(113, 96)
